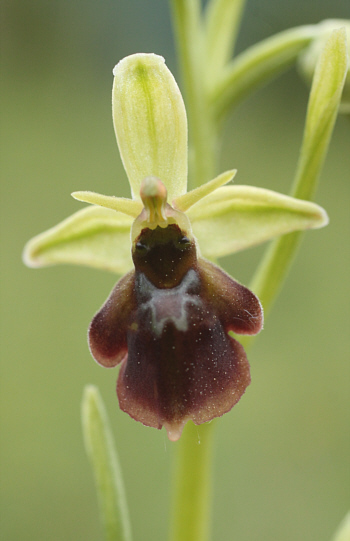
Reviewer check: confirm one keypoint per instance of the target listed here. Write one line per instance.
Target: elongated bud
(309, 58)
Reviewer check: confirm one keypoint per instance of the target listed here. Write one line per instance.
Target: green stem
(191, 504)
(222, 20)
(191, 518)
(274, 268)
(188, 29)
(256, 65)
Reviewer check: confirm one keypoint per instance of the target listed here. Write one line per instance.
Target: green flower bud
(309, 57)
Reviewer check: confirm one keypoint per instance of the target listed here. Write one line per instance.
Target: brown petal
(108, 329)
(237, 307)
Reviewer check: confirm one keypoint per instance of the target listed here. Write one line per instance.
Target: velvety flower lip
(167, 323)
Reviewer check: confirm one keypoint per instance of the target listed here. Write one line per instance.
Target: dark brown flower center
(164, 255)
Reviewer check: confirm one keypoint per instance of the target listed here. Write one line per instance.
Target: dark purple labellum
(167, 322)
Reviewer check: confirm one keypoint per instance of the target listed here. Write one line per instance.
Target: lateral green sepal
(93, 237)
(234, 218)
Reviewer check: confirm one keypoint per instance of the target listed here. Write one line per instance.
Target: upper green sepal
(150, 123)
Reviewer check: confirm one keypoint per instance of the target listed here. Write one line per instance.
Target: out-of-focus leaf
(322, 111)
(104, 460)
(343, 532)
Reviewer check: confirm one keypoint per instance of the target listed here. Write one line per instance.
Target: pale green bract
(151, 127)
(309, 57)
(104, 459)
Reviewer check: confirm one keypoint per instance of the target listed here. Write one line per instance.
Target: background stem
(189, 37)
(192, 477)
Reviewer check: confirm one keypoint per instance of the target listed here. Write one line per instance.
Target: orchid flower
(167, 321)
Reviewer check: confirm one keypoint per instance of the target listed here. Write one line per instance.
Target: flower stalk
(189, 34)
(193, 487)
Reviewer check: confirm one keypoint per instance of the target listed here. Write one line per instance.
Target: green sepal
(150, 123)
(94, 237)
(105, 464)
(185, 201)
(234, 218)
(130, 207)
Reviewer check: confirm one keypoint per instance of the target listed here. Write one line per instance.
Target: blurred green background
(281, 456)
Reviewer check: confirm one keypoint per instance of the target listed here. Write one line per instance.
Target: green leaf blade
(104, 460)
